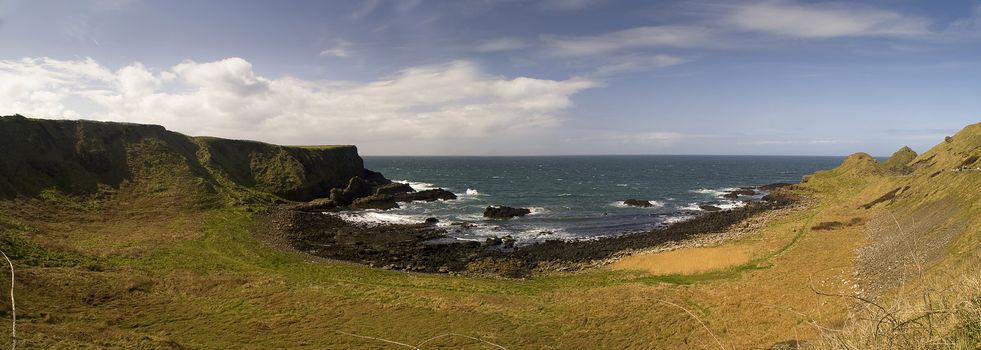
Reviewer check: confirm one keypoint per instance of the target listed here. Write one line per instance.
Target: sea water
(576, 197)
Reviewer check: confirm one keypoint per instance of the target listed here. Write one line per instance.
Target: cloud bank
(444, 102)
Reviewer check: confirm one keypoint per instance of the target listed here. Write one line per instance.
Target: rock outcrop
(640, 203)
(899, 162)
(504, 212)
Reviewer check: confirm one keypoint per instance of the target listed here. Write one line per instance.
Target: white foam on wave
(676, 219)
(621, 185)
(526, 236)
(473, 192)
(724, 205)
(565, 195)
(537, 210)
(729, 205)
(374, 217)
(418, 186)
(690, 207)
(711, 192)
(655, 204)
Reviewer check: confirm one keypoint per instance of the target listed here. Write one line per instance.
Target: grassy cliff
(80, 157)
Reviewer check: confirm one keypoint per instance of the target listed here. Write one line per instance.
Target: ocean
(575, 197)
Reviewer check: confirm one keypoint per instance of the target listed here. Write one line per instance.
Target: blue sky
(488, 77)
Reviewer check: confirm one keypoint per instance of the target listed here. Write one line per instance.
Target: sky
(507, 77)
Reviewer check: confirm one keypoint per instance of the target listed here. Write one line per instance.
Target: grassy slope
(155, 266)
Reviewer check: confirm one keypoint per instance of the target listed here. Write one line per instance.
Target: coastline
(410, 247)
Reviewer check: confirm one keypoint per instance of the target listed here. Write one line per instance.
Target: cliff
(81, 157)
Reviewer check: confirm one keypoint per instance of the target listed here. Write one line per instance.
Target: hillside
(80, 157)
(132, 236)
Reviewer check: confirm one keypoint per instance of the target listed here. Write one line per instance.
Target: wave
(374, 218)
(473, 192)
(564, 195)
(712, 192)
(418, 186)
(724, 205)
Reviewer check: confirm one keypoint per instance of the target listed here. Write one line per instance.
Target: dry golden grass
(686, 260)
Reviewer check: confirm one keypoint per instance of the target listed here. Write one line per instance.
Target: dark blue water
(578, 196)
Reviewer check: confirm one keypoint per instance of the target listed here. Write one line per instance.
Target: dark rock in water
(356, 188)
(638, 203)
(774, 186)
(432, 221)
(394, 188)
(378, 201)
(739, 192)
(494, 241)
(707, 207)
(427, 195)
(503, 212)
(508, 241)
(390, 201)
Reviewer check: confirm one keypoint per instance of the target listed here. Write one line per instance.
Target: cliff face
(79, 157)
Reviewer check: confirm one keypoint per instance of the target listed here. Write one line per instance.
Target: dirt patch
(834, 225)
(686, 260)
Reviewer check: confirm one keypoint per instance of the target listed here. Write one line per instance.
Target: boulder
(707, 207)
(503, 212)
(494, 241)
(638, 203)
(508, 241)
(432, 221)
(739, 192)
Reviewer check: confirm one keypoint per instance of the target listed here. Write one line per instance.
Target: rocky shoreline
(424, 247)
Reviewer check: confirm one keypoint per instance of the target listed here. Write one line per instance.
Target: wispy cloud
(568, 5)
(365, 7)
(502, 44)
(824, 20)
(799, 142)
(634, 137)
(634, 63)
(628, 39)
(337, 51)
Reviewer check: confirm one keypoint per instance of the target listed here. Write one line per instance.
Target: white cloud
(629, 39)
(227, 98)
(502, 44)
(828, 20)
